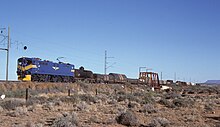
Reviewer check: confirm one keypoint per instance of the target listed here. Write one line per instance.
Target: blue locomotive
(35, 69)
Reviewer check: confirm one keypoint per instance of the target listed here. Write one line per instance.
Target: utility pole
(106, 62)
(8, 55)
(161, 74)
(7, 50)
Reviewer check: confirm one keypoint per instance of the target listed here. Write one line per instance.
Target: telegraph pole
(161, 74)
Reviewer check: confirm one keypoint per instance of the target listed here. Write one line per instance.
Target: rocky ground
(108, 105)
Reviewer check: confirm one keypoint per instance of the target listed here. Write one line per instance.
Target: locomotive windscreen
(23, 61)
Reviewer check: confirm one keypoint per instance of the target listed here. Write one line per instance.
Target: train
(37, 70)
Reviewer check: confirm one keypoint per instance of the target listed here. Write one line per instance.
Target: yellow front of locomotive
(24, 69)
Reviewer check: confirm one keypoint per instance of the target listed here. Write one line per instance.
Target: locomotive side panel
(34, 69)
(50, 68)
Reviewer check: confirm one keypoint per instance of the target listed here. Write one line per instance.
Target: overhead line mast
(8, 55)
(7, 50)
(106, 62)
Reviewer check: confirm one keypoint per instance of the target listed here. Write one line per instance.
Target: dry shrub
(32, 86)
(159, 122)
(166, 103)
(2, 88)
(121, 93)
(183, 102)
(72, 86)
(67, 121)
(209, 108)
(36, 100)
(1, 109)
(130, 97)
(38, 87)
(148, 108)
(12, 104)
(60, 87)
(49, 85)
(82, 106)
(172, 95)
(133, 104)
(128, 119)
(94, 119)
(21, 110)
(102, 97)
(23, 85)
(121, 98)
(148, 98)
(70, 99)
(16, 94)
(43, 86)
(14, 87)
(85, 86)
(138, 94)
(88, 98)
(48, 106)
(7, 86)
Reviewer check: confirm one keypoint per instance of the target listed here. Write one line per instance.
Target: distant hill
(216, 82)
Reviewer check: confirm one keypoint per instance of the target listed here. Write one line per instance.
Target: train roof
(38, 59)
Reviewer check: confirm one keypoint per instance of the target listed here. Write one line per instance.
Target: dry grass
(112, 102)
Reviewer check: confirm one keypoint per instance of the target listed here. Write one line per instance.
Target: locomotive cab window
(29, 62)
(24, 62)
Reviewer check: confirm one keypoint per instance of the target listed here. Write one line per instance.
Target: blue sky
(169, 36)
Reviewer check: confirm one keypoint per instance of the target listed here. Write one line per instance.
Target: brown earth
(107, 105)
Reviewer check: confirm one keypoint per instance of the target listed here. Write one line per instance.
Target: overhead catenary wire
(68, 54)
